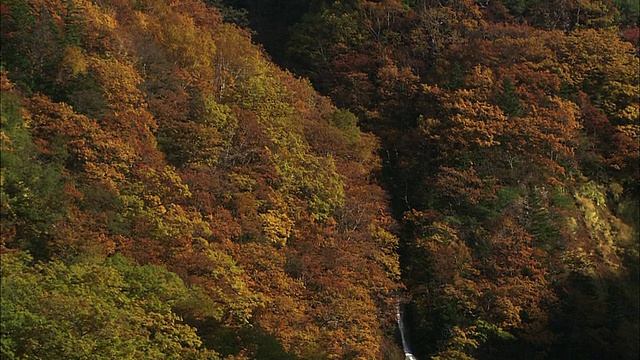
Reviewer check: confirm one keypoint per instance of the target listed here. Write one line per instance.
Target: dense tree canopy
(510, 147)
(167, 191)
(150, 137)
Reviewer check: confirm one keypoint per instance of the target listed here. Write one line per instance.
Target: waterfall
(403, 334)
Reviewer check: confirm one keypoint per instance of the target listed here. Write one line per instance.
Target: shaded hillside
(510, 134)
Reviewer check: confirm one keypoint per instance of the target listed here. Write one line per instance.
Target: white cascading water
(403, 334)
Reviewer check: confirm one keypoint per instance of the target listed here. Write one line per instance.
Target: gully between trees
(403, 335)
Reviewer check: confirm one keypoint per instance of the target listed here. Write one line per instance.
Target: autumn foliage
(509, 136)
(167, 191)
(154, 132)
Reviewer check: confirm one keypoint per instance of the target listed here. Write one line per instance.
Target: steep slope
(511, 152)
(151, 130)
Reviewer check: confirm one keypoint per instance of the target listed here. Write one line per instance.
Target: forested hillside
(168, 191)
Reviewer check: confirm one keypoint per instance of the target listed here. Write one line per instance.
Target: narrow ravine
(408, 355)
